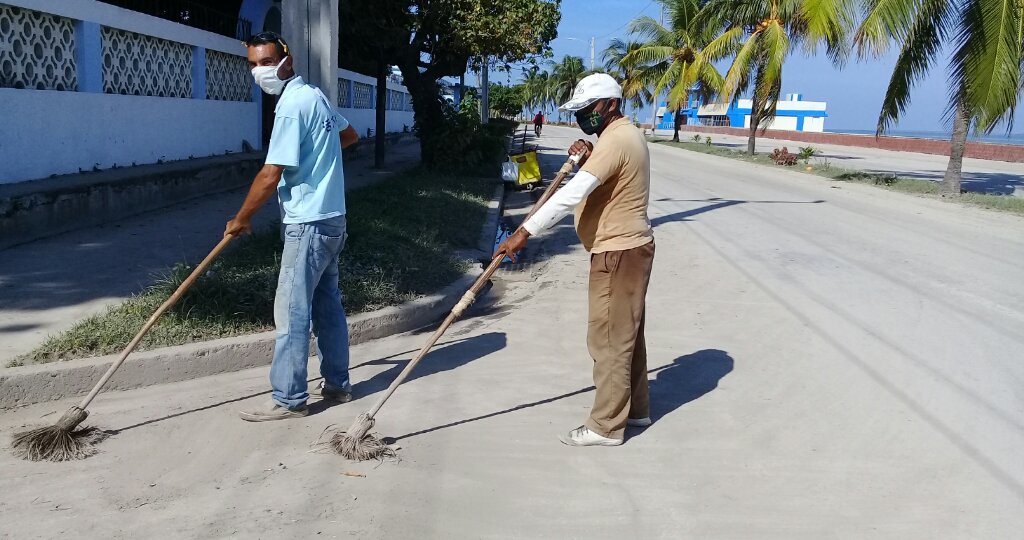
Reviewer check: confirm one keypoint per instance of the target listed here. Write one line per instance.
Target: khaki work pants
(615, 337)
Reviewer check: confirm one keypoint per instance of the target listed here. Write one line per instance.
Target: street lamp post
(592, 44)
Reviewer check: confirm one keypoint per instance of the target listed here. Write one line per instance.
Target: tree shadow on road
(686, 379)
(717, 203)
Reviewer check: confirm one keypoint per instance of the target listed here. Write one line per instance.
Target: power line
(629, 20)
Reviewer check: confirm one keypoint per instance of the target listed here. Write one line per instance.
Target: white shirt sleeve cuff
(562, 203)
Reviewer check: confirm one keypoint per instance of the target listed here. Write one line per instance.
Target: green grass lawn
(403, 232)
(1006, 203)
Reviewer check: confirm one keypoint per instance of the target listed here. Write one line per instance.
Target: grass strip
(403, 234)
(824, 168)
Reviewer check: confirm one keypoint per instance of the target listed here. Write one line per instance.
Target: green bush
(806, 153)
(463, 144)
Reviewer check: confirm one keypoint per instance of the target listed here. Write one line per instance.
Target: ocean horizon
(995, 138)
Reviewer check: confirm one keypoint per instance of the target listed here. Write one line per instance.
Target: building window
(37, 50)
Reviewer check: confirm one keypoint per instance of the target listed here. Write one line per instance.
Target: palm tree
(636, 82)
(538, 88)
(564, 77)
(679, 57)
(985, 68)
(763, 32)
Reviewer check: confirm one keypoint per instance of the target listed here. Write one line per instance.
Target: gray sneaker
(331, 393)
(273, 411)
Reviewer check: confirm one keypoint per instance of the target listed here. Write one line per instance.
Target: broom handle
(470, 296)
(153, 318)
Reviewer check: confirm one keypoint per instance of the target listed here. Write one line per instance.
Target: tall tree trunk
(462, 88)
(427, 112)
(957, 145)
(675, 124)
(755, 119)
(381, 112)
(654, 116)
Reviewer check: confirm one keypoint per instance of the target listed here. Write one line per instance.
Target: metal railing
(191, 13)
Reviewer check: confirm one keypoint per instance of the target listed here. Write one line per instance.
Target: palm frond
(651, 30)
(828, 22)
(774, 48)
(740, 69)
(923, 43)
(885, 21)
(650, 54)
(727, 43)
(986, 66)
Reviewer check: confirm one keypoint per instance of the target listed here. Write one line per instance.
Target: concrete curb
(490, 230)
(26, 385)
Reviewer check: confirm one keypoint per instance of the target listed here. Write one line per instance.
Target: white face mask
(266, 77)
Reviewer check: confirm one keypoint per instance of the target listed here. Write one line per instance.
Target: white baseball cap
(592, 88)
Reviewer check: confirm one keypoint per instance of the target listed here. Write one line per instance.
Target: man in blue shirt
(304, 167)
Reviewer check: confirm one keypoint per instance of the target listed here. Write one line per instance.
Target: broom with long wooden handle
(61, 441)
(356, 443)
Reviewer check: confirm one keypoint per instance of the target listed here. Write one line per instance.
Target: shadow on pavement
(717, 203)
(437, 360)
(686, 379)
(266, 392)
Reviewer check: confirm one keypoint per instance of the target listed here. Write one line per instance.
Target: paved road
(48, 285)
(824, 363)
(979, 175)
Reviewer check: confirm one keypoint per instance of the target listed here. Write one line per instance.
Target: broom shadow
(375, 362)
(686, 379)
(437, 360)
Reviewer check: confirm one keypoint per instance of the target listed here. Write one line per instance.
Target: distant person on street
(538, 123)
(304, 167)
(610, 196)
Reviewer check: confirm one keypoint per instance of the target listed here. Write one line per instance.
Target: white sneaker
(639, 422)
(582, 436)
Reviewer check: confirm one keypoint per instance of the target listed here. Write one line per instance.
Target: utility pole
(485, 106)
(592, 54)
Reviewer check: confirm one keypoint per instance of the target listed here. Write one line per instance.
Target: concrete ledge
(41, 208)
(38, 383)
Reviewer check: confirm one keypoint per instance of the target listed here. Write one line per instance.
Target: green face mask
(590, 122)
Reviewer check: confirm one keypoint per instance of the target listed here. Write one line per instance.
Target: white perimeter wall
(363, 118)
(779, 122)
(49, 132)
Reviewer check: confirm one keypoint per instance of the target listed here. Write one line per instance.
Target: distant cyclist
(538, 123)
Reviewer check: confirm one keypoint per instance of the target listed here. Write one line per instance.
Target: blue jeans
(308, 296)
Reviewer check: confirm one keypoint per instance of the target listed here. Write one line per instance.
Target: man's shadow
(686, 379)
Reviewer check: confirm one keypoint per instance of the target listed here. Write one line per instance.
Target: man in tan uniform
(610, 195)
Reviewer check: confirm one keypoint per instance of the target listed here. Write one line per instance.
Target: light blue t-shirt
(305, 142)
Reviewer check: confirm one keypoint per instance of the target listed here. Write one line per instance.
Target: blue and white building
(792, 114)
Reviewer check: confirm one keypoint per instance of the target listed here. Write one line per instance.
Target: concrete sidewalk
(48, 285)
(980, 175)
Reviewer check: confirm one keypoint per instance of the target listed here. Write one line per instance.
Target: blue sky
(854, 94)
